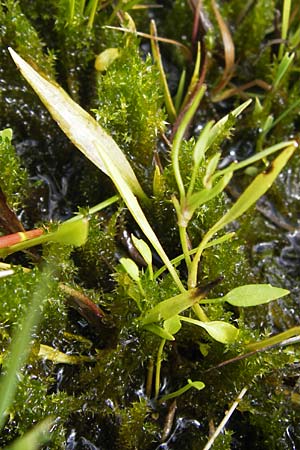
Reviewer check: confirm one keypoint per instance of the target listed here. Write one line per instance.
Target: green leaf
(190, 384)
(219, 126)
(6, 134)
(161, 332)
(73, 232)
(220, 331)
(210, 169)
(33, 439)
(254, 294)
(172, 306)
(131, 268)
(83, 130)
(256, 189)
(143, 249)
(201, 144)
(96, 145)
(205, 195)
(172, 325)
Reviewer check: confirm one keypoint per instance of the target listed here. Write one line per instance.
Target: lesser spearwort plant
(165, 319)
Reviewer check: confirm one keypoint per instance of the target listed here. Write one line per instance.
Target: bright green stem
(179, 138)
(284, 25)
(184, 245)
(179, 93)
(93, 13)
(96, 208)
(200, 313)
(20, 347)
(71, 10)
(193, 273)
(158, 366)
(176, 393)
(295, 331)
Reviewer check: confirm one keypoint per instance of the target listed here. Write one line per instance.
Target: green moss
(13, 177)
(130, 107)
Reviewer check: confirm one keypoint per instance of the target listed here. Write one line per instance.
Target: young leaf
(190, 384)
(33, 439)
(254, 294)
(68, 233)
(78, 125)
(143, 249)
(218, 127)
(172, 325)
(161, 332)
(205, 195)
(220, 331)
(131, 268)
(254, 191)
(172, 306)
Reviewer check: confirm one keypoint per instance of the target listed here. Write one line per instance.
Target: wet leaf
(220, 331)
(83, 130)
(254, 294)
(172, 306)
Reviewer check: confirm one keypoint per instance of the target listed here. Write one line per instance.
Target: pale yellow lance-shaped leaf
(81, 128)
(100, 148)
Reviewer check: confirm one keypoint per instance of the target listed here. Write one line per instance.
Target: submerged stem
(158, 366)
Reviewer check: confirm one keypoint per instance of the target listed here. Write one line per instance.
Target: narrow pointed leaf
(204, 196)
(131, 268)
(33, 439)
(172, 306)
(81, 128)
(255, 190)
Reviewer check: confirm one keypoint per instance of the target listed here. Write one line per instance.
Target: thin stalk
(158, 60)
(158, 367)
(184, 245)
(193, 273)
(92, 14)
(179, 258)
(179, 93)
(200, 313)
(20, 347)
(284, 26)
(71, 10)
(178, 138)
(226, 418)
(149, 380)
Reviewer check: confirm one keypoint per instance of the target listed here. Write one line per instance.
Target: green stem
(179, 138)
(273, 340)
(92, 14)
(200, 313)
(184, 245)
(284, 26)
(193, 273)
(158, 366)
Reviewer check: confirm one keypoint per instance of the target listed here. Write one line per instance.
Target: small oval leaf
(254, 294)
(131, 268)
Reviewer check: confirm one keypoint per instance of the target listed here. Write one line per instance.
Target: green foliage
(189, 207)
